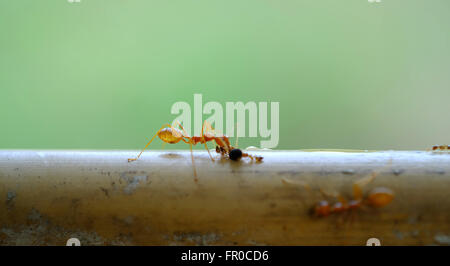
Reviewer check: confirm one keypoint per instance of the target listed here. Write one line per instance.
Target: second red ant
(441, 148)
(378, 197)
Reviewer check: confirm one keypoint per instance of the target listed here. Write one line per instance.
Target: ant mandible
(172, 135)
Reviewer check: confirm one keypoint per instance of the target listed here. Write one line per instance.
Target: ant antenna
(203, 138)
(237, 136)
(359, 184)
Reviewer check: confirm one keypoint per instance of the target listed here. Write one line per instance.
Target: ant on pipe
(378, 197)
(441, 148)
(172, 135)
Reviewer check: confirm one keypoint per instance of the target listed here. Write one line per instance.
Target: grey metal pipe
(101, 199)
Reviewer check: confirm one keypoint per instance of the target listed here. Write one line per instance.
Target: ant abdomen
(380, 197)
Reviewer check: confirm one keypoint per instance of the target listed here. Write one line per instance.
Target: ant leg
(237, 137)
(189, 141)
(210, 156)
(353, 217)
(182, 128)
(193, 164)
(186, 135)
(334, 195)
(227, 143)
(347, 218)
(220, 150)
(290, 182)
(220, 143)
(139, 155)
(341, 219)
(190, 145)
(344, 219)
(359, 184)
(206, 146)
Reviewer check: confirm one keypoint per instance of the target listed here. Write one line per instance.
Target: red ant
(169, 134)
(441, 148)
(377, 198)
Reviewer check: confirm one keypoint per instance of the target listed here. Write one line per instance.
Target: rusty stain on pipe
(98, 197)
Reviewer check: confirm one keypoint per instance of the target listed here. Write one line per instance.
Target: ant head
(235, 154)
(322, 209)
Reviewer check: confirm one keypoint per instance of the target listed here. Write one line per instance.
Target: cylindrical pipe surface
(102, 199)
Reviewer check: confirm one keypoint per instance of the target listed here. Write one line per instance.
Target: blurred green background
(103, 74)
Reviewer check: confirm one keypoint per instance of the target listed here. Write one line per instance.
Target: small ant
(169, 134)
(441, 148)
(236, 154)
